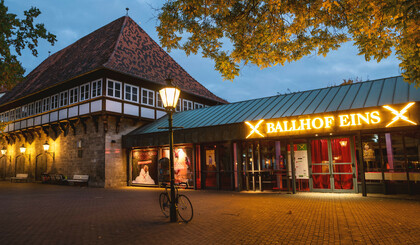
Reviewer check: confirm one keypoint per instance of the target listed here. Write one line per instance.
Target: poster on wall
(182, 164)
(301, 161)
(144, 167)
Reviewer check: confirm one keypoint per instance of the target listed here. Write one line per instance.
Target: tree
(18, 34)
(270, 32)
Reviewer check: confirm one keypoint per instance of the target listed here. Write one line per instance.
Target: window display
(145, 167)
(182, 164)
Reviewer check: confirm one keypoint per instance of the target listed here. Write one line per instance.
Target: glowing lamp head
(46, 146)
(22, 149)
(4, 151)
(343, 143)
(169, 95)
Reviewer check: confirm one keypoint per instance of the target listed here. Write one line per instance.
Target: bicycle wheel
(185, 208)
(164, 203)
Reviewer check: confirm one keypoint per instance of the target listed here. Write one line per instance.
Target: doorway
(333, 165)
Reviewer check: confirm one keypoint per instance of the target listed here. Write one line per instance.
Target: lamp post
(169, 96)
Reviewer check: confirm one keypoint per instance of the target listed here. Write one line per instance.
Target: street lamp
(170, 95)
(46, 146)
(22, 149)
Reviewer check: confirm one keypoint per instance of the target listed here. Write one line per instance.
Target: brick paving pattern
(48, 214)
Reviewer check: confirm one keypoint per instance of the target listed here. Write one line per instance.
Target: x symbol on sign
(254, 128)
(400, 114)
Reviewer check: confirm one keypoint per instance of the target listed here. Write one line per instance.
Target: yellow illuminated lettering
(305, 126)
(400, 114)
(321, 123)
(285, 126)
(344, 120)
(361, 117)
(374, 117)
(278, 127)
(293, 128)
(353, 119)
(328, 121)
(270, 128)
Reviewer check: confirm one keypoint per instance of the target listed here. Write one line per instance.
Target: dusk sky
(72, 20)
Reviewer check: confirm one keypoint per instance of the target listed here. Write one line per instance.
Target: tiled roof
(121, 46)
(367, 94)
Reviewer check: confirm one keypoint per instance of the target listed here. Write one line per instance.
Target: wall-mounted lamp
(343, 143)
(4, 151)
(46, 146)
(22, 149)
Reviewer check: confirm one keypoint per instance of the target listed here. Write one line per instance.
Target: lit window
(54, 101)
(30, 109)
(38, 107)
(84, 92)
(147, 97)
(113, 89)
(46, 104)
(159, 103)
(64, 98)
(96, 88)
(187, 105)
(198, 105)
(73, 95)
(131, 93)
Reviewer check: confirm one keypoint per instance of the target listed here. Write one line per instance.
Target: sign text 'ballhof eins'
(384, 117)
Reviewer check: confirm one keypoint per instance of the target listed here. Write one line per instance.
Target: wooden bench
(20, 178)
(79, 179)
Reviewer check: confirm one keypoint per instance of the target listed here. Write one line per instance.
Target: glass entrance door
(332, 165)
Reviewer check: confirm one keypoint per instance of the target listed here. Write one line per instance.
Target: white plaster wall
(96, 105)
(62, 114)
(131, 110)
(113, 106)
(73, 111)
(148, 113)
(54, 116)
(84, 109)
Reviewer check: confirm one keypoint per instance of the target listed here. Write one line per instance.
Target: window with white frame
(6, 116)
(24, 112)
(187, 105)
(147, 97)
(113, 89)
(54, 101)
(46, 104)
(12, 115)
(38, 106)
(64, 99)
(96, 88)
(198, 105)
(178, 105)
(73, 93)
(159, 103)
(30, 109)
(84, 92)
(18, 112)
(131, 93)
(2, 117)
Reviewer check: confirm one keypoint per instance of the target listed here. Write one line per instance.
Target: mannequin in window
(368, 155)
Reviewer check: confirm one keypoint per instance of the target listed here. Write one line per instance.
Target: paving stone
(47, 214)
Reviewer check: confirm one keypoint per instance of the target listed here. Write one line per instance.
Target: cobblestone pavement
(47, 214)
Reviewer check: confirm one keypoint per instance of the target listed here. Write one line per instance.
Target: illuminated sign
(400, 114)
(254, 128)
(356, 120)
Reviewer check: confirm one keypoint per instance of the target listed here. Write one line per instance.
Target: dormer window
(84, 92)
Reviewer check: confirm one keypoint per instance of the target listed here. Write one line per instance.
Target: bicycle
(183, 204)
